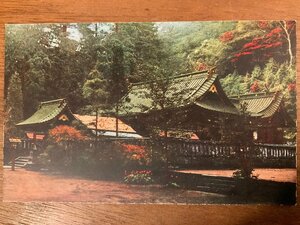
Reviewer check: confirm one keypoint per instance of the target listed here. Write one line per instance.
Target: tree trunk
(288, 38)
(96, 140)
(13, 158)
(117, 120)
(117, 105)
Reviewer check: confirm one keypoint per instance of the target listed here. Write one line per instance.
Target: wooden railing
(199, 153)
(267, 151)
(208, 149)
(195, 153)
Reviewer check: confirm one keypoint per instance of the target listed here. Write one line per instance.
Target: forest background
(94, 64)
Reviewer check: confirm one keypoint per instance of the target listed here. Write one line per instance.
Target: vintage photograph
(156, 112)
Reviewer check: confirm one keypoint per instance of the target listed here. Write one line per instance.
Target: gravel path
(23, 186)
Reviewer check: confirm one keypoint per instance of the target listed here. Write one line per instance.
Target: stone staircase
(22, 161)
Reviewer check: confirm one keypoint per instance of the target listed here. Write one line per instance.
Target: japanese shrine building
(57, 112)
(197, 102)
(49, 113)
(193, 102)
(268, 116)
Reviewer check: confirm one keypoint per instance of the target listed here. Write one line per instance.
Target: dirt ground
(279, 175)
(24, 186)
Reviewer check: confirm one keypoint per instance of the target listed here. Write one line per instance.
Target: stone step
(22, 161)
(24, 158)
(20, 164)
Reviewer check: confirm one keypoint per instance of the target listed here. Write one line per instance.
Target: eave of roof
(46, 112)
(217, 107)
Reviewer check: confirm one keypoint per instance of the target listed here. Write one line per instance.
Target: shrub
(43, 159)
(243, 174)
(135, 156)
(134, 152)
(109, 159)
(68, 141)
(64, 133)
(54, 155)
(84, 163)
(139, 177)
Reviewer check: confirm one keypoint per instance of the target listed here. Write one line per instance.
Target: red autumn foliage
(134, 152)
(243, 53)
(263, 47)
(256, 47)
(291, 87)
(65, 133)
(254, 87)
(275, 32)
(250, 44)
(227, 36)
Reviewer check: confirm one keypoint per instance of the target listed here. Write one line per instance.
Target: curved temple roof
(197, 89)
(181, 91)
(259, 104)
(201, 89)
(46, 112)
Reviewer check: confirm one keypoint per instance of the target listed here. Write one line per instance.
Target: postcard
(152, 113)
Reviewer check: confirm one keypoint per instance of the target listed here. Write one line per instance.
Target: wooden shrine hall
(196, 102)
(57, 112)
(49, 114)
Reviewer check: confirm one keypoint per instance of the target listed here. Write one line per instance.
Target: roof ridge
(77, 114)
(53, 101)
(174, 77)
(256, 94)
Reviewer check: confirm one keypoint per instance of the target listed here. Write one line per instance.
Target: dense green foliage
(47, 63)
(14, 103)
(96, 66)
